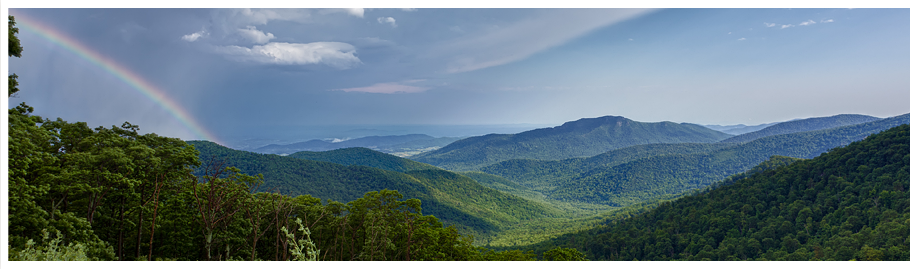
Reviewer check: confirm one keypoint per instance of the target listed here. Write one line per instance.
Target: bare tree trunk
(153, 224)
(208, 242)
(121, 232)
(140, 220)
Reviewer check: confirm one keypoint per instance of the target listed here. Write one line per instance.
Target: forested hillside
(796, 126)
(453, 198)
(672, 174)
(545, 176)
(849, 203)
(638, 173)
(365, 157)
(581, 138)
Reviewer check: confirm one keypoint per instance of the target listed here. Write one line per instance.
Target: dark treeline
(849, 203)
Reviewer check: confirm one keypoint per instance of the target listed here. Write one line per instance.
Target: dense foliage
(584, 137)
(545, 176)
(804, 125)
(851, 203)
(15, 50)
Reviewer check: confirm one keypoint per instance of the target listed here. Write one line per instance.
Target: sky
(217, 73)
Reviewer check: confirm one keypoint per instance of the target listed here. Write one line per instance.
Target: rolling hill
(365, 157)
(851, 203)
(672, 174)
(581, 138)
(739, 129)
(803, 125)
(545, 176)
(453, 198)
(388, 144)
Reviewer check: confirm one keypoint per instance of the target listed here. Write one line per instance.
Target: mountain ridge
(802, 125)
(850, 203)
(580, 138)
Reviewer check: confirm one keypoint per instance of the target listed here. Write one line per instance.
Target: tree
(15, 49)
(33, 165)
(220, 198)
(563, 254)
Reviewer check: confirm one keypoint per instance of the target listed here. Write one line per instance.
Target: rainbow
(133, 79)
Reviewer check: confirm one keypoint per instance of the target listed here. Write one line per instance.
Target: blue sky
(243, 70)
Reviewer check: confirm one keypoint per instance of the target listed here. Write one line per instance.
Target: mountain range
(638, 173)
(581, 138)
(851, 203)
(802, 125)
(738, 129)
(409, 144)
(512, 197)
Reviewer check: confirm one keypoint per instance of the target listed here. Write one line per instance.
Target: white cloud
(807, 22)
(769, 24)
(409, 9)
(630, 39)
(388, 88)
(194, 36)
(255, 35)
(357, 12)
(741, 38)
(517, 41)
(787, 26)
(335, 54)
(388, 20)
(826, 21)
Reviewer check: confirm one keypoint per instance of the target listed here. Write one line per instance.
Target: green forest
(601, 189)
(851, 203)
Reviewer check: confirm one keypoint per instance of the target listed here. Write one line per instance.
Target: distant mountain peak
(580, 138)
